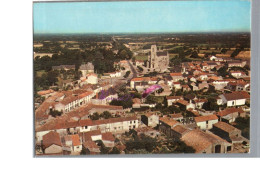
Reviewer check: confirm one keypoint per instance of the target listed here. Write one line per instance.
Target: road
(134, 72)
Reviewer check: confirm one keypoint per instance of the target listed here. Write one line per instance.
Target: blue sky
(142, 17)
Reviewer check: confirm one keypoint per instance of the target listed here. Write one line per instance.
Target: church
(158, 60)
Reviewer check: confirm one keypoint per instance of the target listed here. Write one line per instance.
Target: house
(108, 139)
(91, 148)
(206, 142)
(243, 86)
(166, 124)
(46, 93)
(194, 87)
(172, 99)
(123, 64)
(105, 96)
(177, 85)
(232, 86)
(91, 78)
(185, 88)
(176, 77)
(177, 117)
(203, 85)
(139, 82)
(64, 67)
(236, 63)
(190, 97)
(136, 103)
(51, 143)
(237, 74)
(72, 101)
(113, 74)
(139, 63)
(92, 135)
(199, 103)
(150, 119)
(178, 131)
(114, 125)
(73, 142)
(206, 122)
(86, 68)
(234, 98)
(214, 58)
(185, 105)
(228, 132)
(230, 114)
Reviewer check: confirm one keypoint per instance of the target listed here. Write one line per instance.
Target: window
(86, 127)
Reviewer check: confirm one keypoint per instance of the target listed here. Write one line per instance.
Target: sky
(142, 17)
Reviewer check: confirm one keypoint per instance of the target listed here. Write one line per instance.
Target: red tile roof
(43, 92)
(50, 139)
(108, 136)
(228, 111)
(173, 97)
(87, 136)
(225, 127)
(64, 124)
(237, 95)
(168, 121)
(75, 140)
(175, 74)
(180, 129)
(90, 145)
(205, 118)
(200, 140)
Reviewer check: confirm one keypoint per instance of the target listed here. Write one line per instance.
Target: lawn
(141, 57)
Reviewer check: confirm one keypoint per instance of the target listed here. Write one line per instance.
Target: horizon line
(184, 32)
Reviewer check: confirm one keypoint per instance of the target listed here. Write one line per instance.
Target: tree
(94, 116)
(223, 71)
(55, 113)
(52, 78)
(125, 103)
(140, 68)
(194, 54)
(115, 150)
(127, 74)
(211, 104)
(83, 151)
(244, 125)
(106, 115)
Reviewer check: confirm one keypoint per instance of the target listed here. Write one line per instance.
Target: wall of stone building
(53, 149)
(108, 143)
(203, 125)
(77, 148)
(221, 133)
(153, 121)
(236, 102)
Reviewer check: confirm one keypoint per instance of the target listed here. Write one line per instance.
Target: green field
(141, 57)
(40, 73)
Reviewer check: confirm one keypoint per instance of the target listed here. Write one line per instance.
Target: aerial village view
(141, 93)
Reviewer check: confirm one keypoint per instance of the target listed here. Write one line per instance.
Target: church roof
(164, 53)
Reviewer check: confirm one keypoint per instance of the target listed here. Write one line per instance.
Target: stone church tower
(158, 60)
(153, 56)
